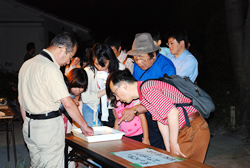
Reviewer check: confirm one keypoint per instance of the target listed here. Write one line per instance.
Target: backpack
(199, 98)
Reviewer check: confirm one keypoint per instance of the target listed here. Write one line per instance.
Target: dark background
(128, 17)
(125, 18)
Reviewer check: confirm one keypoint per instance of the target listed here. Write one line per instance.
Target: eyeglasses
(170, 44)
(71, 56)
(137, 58)
(114, 93)
(67, 52)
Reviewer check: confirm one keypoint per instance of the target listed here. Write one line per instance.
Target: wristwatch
(136, 113)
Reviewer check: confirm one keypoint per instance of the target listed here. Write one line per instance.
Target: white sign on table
(146, 157)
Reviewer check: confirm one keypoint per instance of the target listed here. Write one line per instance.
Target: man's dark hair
(117, 77)
(30, 46)
(155, 35)
(65, 39)
(179, 34)
(84, 59)
(113, 41)
(151, 55)
(88, 52)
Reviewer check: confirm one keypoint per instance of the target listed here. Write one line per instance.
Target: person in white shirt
(102, 62)
(115, 43)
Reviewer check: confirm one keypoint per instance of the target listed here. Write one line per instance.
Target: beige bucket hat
(143, 43)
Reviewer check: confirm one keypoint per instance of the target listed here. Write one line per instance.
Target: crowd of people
(106, 90)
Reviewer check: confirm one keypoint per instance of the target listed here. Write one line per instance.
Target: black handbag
(111, 119)
(66, 114)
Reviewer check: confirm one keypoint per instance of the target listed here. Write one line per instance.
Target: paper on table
(146, 157)
(101, 133)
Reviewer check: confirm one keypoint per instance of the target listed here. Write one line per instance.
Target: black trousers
(155, 137)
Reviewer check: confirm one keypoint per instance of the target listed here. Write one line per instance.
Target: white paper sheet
(146, 157)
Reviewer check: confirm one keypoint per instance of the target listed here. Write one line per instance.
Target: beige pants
(194, 140)
(46, 143)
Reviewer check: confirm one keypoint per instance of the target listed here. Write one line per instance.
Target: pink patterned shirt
(132, 128)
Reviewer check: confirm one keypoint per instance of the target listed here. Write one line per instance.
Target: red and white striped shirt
(159, 97)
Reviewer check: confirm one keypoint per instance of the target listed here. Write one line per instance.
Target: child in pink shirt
(137, 128)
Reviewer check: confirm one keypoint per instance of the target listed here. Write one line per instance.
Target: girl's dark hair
(117, 77)
(102, 52)
(77, 78)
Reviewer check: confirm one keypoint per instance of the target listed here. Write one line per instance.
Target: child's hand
(76, 102)
(115, 114)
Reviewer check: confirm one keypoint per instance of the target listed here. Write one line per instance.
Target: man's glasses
(114, 93)
(67, 52)
(71, 56)
(170, 44)
(139, 58)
